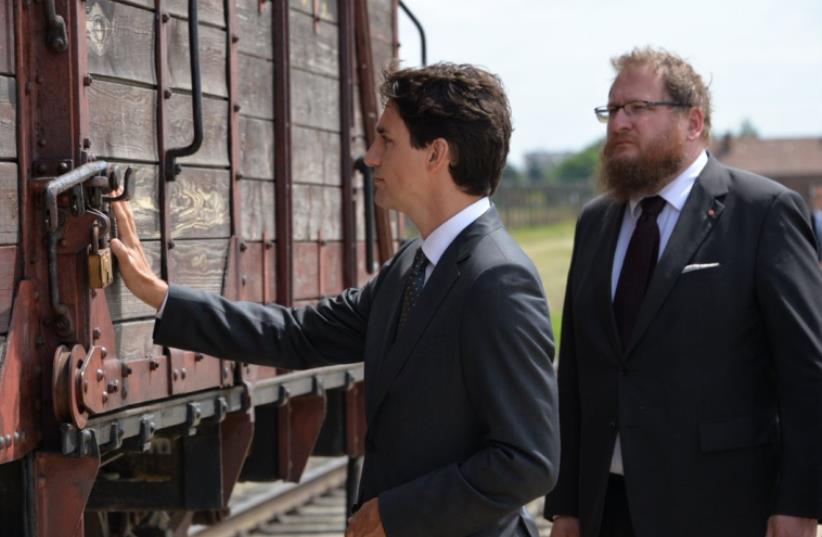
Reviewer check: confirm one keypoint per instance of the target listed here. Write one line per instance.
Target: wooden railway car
(234, 126)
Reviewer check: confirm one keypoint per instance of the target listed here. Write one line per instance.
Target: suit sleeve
(330, 332)
(564, 499)
(506, 354)
(789, 289)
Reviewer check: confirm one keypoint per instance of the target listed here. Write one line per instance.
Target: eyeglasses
(632, 109)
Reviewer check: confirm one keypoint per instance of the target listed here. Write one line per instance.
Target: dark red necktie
(640, 261)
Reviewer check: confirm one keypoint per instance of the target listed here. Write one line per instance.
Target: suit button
(612, 425)
(623, 370)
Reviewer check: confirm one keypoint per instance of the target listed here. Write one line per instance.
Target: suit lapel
(701, 210)
(606, 248)
(446, 273)
(387, 304)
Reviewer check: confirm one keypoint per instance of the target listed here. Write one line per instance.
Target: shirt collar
(441, 238)
(676, 192)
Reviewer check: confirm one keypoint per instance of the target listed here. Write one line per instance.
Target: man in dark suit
(454, 330)
(690, 371)
(816, 216)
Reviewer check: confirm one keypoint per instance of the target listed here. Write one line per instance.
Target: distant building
(540, 163)
(794, 162)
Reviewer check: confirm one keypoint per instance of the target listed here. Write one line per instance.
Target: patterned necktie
(413, 287)
(640, 261)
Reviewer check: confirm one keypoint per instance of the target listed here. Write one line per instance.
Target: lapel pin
(711, 212)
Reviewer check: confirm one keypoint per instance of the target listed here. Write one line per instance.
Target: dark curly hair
(464, 105)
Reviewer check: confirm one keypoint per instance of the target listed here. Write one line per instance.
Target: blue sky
(762, 58)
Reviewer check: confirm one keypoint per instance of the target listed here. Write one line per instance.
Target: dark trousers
(616, 519)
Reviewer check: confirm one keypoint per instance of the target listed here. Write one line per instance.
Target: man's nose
(372, 156)
(619, 121)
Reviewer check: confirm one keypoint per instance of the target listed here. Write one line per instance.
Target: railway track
(315, 507)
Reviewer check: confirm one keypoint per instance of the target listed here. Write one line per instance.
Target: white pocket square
(699, 266)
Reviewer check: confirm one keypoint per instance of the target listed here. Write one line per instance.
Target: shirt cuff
(159, 314)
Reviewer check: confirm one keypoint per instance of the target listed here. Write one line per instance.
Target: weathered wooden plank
(332, 266)
(8, 117)
(252, 271)
(121, 303)
(133, 341)
(9, 222)
(306, 284)
(317, 212)
(315, 100)
(199, 263)
(8, 268)
(212, 58)
(383, 55)
(254, 28)
(120, 41)
(145, 202)
(380, 18)
(123, 121)
(200, 204)
(258, 213)
(256, 148)
(214, 151)
(7, 38)
(256, 86)
(315, 156)
(316, 51)
(327, 8)
(358, 129)
(315, 258)
(209, 11)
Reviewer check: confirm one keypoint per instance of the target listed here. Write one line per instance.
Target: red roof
(774, 157)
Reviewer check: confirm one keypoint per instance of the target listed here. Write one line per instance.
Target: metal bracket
(57, 37)
(116, 435)
(317, 386)
(194, 416)
(220, 409)
(147, 430)
(284, 396)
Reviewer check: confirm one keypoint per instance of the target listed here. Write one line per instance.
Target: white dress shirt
(674, 193)
(441, 238)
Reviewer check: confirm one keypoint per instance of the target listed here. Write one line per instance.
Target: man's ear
(439, 154)
(696, 123)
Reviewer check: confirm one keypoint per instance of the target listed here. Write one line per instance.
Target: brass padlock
(100, 272)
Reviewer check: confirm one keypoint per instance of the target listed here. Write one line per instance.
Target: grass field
(550, 248)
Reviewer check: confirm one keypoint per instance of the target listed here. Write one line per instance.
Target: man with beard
(690, 370)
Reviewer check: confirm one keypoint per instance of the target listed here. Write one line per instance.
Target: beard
(632, 177)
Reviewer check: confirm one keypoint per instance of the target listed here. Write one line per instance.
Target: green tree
(579, 167)
(511, 175)
(747, 129)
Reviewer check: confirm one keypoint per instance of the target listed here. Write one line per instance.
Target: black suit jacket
(718, 397)
(461, 405)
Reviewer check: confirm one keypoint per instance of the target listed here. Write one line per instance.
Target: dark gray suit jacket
(461, 406)
(718, 397)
